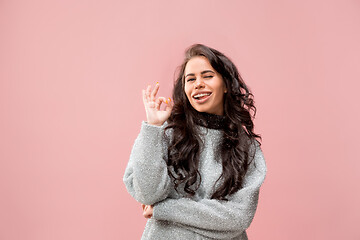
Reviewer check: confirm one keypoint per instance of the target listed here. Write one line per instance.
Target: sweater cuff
(164, 209)
(160, 210)
(151, 131)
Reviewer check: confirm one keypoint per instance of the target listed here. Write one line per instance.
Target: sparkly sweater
(176, 217)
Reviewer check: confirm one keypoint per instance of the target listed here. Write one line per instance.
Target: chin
(200, 109)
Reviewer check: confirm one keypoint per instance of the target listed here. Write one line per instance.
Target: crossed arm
(214, 218)
(147, 180)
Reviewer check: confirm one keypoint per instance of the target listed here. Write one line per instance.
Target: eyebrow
(192, 74)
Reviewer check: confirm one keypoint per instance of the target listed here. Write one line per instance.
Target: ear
(225, 91)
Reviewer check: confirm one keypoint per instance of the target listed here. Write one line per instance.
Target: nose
(199, 83)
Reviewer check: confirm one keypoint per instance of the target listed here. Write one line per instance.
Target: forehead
(198, 64)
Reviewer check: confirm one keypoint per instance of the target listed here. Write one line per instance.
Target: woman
(196, 167)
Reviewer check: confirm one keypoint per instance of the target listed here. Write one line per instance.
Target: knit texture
(181, 218)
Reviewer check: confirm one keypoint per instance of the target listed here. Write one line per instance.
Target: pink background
(71, 75)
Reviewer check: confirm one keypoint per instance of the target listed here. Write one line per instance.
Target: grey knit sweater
(177, 217)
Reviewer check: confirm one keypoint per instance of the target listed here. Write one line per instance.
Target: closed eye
(193, 79)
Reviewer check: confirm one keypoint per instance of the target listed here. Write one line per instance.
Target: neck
(210, 120)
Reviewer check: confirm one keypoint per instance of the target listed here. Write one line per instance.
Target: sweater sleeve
(218, 219)
(146, 177)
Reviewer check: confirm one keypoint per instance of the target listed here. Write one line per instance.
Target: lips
(201, 97)
(200, 94)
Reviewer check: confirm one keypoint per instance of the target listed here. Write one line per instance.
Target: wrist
(155, 124)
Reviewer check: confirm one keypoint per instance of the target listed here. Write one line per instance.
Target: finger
(144, 96)
(146, 212)
(154, 92)
(147, 215)
(148, 90)
(159, 101)
(170, 105)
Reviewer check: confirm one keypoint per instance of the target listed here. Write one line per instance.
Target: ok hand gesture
(154, 115)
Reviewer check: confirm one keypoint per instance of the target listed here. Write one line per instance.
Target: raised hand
(154, 115)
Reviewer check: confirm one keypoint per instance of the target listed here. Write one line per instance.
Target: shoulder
(254, 147)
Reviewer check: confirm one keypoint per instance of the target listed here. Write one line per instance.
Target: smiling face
(204, 87)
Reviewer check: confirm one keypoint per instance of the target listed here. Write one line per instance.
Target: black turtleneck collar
(210, 120)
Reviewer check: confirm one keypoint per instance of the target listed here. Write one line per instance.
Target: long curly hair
(239, 110)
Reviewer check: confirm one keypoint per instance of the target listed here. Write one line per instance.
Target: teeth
(201, 95)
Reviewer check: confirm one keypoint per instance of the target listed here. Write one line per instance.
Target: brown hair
(183, 153)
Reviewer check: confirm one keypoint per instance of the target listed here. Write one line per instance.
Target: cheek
(220, 92)
(221, 88)
(187, 93)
